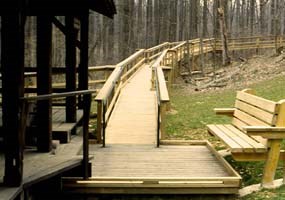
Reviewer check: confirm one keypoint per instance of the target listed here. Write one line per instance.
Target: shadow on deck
(41, 167)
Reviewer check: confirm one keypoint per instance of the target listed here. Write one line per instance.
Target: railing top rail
(178, 45)
(57, 95)
(94, 68)
(115, 75)
(131, 58)
(198, 40)
(159, 59)
(157, 47)
(256, 37)
(162, 89)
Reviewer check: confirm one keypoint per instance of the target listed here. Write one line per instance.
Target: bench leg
(271, 164)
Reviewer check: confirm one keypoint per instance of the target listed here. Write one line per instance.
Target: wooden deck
(169, 169)
(133, 120)
(42, 166)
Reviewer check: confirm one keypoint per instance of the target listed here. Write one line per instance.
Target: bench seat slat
(235, 139)
(259, 147)
(235, 147)
(243, 143)
(240, 124)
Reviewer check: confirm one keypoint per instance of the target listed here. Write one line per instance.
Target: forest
(146, 23)
(155, 75)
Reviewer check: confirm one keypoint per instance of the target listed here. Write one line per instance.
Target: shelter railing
(87, 97)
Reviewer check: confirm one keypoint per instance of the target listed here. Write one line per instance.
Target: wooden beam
(87, 99)
(70, 62)
(63, 29)
(84, 101)
(12, 67)
(44, 82)
(83, 67)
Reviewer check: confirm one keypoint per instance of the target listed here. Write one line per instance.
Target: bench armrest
(266, 131)
(224, 111)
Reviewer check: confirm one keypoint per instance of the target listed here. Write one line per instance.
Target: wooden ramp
(133, 120)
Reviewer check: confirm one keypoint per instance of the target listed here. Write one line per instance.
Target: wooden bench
(256, 131)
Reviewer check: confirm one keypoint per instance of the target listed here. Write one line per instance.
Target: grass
(191, 112)
(194, 111)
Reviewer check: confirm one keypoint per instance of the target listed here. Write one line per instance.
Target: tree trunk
(215, 19)
(262, 18)
(226, 58)
(205, 19)
(252, 14)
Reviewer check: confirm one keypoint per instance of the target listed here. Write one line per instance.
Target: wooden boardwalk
(133, 120)
(131, 163)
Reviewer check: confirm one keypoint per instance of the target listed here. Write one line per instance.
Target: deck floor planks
(147, 161)
(133, 120)
(38, 166)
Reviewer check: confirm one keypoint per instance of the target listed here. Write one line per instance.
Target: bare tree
(226, 58)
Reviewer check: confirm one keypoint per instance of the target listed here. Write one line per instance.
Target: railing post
(99, 121)
(104, 123)
(86, 117)
(192, 63)
(162, 119)
(167, 104)
(152, 79)
(257, 45)
(173, 65)
(147, 57)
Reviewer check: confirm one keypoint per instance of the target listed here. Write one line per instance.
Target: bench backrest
(251, 110)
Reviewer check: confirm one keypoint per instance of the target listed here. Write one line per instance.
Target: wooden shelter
(13, 15)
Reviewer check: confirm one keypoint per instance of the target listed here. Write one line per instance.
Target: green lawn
(195, 110)
(191, 112)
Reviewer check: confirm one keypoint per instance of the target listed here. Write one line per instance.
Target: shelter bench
(255, 133)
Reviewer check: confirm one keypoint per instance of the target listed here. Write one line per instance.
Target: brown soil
(239, 74)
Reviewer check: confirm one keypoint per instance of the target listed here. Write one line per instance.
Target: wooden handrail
(87, 98)
(163, 91)
(158, 47)
(178, 46)
(115, 76)
(159, 59)
(158, 79)
(109, 94)
(57, 95)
